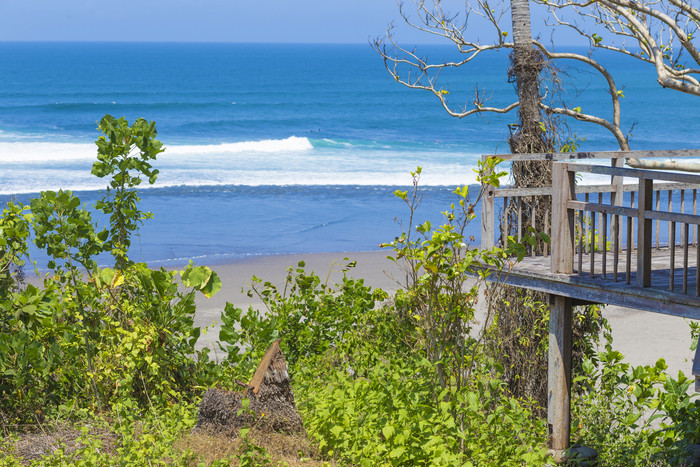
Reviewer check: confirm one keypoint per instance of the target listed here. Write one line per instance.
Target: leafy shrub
(391, 417)
(309, 316)
(94, 337)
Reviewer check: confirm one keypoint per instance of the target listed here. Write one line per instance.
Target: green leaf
(388, 431)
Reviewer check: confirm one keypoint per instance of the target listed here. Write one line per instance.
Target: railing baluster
(616, 245)
(532, 224)
(520, 218)
(504, 222)
(588, 224)
(604, 243)
(673, 257)
(658, 222)
(548, 231)
(580, 243)
(600, 222)
(669, 208)
(697, 264)
(632, 194)
(645, 191)
(628, 263)
(695, 211)
(685, 258)
(593, 237)
(683, 236)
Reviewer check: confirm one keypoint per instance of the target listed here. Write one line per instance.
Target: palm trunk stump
(271, 408)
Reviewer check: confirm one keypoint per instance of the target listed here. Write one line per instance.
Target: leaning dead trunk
(271, 406)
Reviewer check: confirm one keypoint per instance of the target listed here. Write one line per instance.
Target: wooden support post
(696, 367)
(563, 190)
(559, 374)
(646, 190)
(488, 214)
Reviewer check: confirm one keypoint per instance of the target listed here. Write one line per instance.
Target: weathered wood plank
(637, 173)
(564, 156)
(604, 208)
(563, 190)
(488, 217)
(547, 191)
(559, 372)
(532, 274)
(674, 217)
(646, 192)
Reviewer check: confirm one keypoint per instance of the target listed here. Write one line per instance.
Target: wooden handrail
(636, 173)
(565, 156)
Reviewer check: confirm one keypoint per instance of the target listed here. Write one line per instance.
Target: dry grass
(44, 440)
(292, 450)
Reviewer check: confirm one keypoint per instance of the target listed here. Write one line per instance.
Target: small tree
(123, 153)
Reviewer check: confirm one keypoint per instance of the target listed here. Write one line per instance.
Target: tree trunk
(521, 326)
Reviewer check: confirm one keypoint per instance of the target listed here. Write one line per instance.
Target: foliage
(310, 316)
(123, 153)
(129, 439)
(634, 415)
(94, 337)
(14, 231)
(389, 416)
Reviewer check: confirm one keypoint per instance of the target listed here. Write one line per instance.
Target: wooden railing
(617, 232)
(576, 233)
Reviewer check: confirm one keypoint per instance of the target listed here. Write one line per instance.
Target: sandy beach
(642, 337)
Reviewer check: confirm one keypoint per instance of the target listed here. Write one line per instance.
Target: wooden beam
(655, 300)
(545, 191)
(565, 156)
(562, 237)
(646, 191)
(638, 173)
(679, 217)
(488, 215)
(606, 208)
(559, 372)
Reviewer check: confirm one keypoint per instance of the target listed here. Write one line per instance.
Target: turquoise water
(279, 148)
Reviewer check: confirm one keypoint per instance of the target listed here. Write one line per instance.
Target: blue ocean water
(281, 148)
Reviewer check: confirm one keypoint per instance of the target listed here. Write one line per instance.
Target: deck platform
(534, 274)
(632, 245)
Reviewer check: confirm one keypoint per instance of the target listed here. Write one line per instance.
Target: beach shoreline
(642, 337)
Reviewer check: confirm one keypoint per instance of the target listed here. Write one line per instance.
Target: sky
(277, 21)
(327, 21)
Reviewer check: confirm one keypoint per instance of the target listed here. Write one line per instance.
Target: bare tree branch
(664, 30)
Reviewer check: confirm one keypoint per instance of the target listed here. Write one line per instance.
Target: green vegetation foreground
(404, 380)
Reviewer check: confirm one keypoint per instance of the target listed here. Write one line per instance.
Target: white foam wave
(34, 167)
(33, 152)
(42, 152)
(293, 143)
(176, 178)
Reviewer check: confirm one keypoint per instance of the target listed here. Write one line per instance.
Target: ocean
(282, 148)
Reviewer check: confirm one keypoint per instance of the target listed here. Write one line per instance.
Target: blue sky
(324, 21)
(344, 21)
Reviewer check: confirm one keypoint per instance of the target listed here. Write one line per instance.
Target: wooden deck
(656, 215)
(534, 273)
(607, 250)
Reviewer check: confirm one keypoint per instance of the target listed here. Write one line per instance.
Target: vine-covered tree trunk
(521, 315)
(529, 136)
